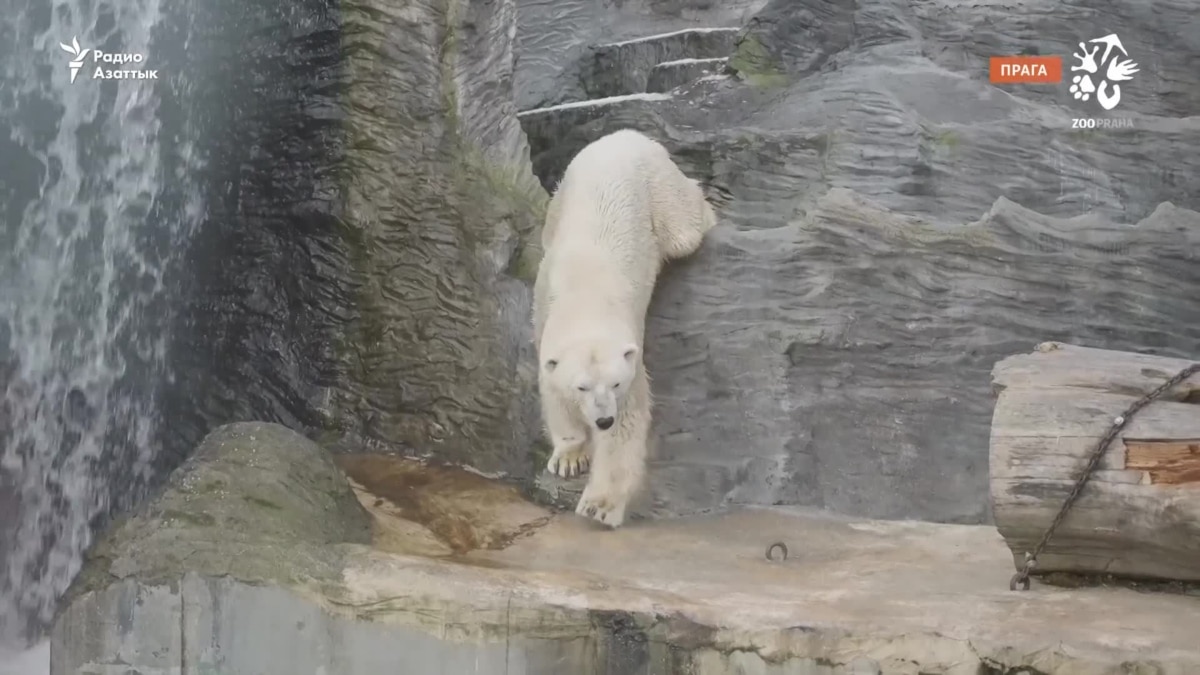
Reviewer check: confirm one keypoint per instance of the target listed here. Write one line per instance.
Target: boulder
(895, 225)
(257, 559)
(255, 500)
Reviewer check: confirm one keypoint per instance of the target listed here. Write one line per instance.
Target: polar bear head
(595, 378)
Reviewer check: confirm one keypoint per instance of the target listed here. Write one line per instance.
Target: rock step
(670, 74)
(604, 104)
(624, 81)
(625, 67)
(557, 132)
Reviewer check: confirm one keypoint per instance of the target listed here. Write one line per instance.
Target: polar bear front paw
(601, 507)
(569, 462)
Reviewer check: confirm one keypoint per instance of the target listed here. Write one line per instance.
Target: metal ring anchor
(1022, 577)
(1019, 578)
(783, 550)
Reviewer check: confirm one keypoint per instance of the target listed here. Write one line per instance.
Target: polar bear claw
(601, 507)
(569, 462)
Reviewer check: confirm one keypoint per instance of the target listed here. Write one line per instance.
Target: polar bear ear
(631, 350)
(551, 364)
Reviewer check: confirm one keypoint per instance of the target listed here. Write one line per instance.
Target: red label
(1025, 69)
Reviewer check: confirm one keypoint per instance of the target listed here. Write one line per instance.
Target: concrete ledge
(463, 576)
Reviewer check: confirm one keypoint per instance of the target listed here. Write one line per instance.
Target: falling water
(97, 204)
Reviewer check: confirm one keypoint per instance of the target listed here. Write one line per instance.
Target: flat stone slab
(460, 574)
(900, 597)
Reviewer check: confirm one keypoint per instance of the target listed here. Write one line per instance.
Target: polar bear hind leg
(679, 212)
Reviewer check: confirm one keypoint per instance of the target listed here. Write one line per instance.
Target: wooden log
(1139, 515)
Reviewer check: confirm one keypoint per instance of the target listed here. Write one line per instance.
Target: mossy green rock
(256, 502)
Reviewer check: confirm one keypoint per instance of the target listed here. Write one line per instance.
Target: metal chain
(1022, 577)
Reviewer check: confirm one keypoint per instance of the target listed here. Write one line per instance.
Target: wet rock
(376, 294)
(896, 225)
(442, 210)
(438, 510)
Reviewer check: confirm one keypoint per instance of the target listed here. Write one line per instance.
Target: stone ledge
(595, 105)
(625, 67)
(549, 594)
(671, 74)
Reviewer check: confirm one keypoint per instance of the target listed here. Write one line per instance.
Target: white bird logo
(79, 54)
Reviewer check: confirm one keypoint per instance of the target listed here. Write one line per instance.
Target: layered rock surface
(368, 281)
(896, 225)
(257, 559)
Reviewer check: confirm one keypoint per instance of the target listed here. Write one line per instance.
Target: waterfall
(99, 197)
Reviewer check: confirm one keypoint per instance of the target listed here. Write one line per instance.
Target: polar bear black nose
(604, 423)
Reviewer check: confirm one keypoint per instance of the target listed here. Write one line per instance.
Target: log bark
(1139, 515)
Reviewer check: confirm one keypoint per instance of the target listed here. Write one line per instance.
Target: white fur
(622, 209)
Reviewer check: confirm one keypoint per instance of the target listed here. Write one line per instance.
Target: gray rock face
(897, 224)
(389, 306)
(442, 208)
(623, 67)
(557, 41)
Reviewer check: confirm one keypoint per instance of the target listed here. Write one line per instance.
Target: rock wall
(366, 277)
(896, 225)
(556, 39)
(442, 208)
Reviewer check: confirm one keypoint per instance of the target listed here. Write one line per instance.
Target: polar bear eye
(617, 385)
(582, 388)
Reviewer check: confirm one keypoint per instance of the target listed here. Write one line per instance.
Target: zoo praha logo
(1083, 86)
(1096, 76)
(79, 57)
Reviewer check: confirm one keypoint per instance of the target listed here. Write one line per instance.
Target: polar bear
(622, 209)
